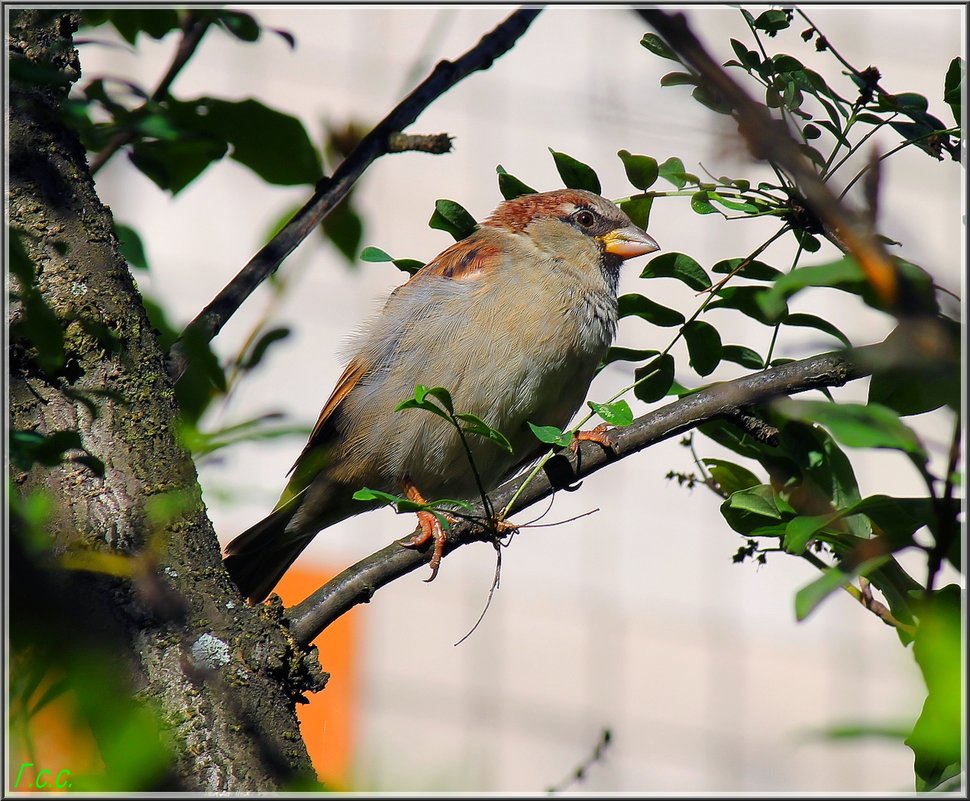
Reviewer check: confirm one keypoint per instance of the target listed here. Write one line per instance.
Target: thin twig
(193, 29)
(578, 773)
(769, 140)
(491, 592)
(358, 583)
(946, 510)
(331, 191)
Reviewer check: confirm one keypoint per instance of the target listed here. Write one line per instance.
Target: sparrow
(513, 320)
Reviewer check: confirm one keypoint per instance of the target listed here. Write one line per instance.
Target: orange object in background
(327, 722)
(57, 744)
(52, 748)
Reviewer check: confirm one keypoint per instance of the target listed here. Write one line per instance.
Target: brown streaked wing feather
(348, 380)
(462, 261)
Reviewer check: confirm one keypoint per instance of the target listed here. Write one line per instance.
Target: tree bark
(132, 555)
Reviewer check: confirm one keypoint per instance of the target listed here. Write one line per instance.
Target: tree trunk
(132, 564)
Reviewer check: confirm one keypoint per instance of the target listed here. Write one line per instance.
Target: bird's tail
(257, 559)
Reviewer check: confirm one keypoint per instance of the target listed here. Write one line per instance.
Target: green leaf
(914, 388)
(131, 247)
(638, 210)
(739, 354)
(451, 217)
(616, 354)
(748, 301)
(617, 413)
(31, 447)
(632, 305)
(375, 254)
(672, 170)
(575, 174)
(809, 242)
(703, 345)
(701, 203)
(174, 165)
(856, 425)
(25, 72)
(772, 21)
(204, 379)
(658, 46)
(897, 518)
(442, 394)
(655, 378)
(410, 266)
(272, 144)
(240, 25)
(38, 324)
(757, 500)
(256, 430)
(846, 276)
(800, 531)
(552, 435)
(756, 511)
(730, 477)
(811, 595)
(344, 228)
(708, 97)
(510, 186)
(938, 650)
(156, 22)
(402, 504)
(256, 353)
(953, 88)
(679, 266)
(811, 321)
(748, 58)
(755, 270)
(475, 425)
(734, 205)
(641, 171)
(420, 401)
(679, 79)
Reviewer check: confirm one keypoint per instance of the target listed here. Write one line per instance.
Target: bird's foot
(597, 435)
(430, 528)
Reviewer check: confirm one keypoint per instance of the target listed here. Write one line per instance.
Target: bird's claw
(431, 528)
(597, 435)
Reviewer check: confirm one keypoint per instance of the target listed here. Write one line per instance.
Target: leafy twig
(769, 140)
(193, 29)
(358, 583)
(578, 774)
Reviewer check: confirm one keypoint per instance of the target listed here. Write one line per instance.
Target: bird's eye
(584, 218)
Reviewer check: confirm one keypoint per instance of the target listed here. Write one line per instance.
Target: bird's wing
(320, 435)
(465, 260)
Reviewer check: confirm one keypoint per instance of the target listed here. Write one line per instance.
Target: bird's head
(576, 225)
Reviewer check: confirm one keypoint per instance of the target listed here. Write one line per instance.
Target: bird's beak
(629, 242)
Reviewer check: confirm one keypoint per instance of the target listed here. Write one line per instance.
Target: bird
(513, 320)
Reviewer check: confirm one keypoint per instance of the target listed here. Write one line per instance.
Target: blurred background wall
(633, 619)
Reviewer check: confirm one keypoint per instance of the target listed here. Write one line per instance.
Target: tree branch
(423, 143)
(331, 191)
(358, 583)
